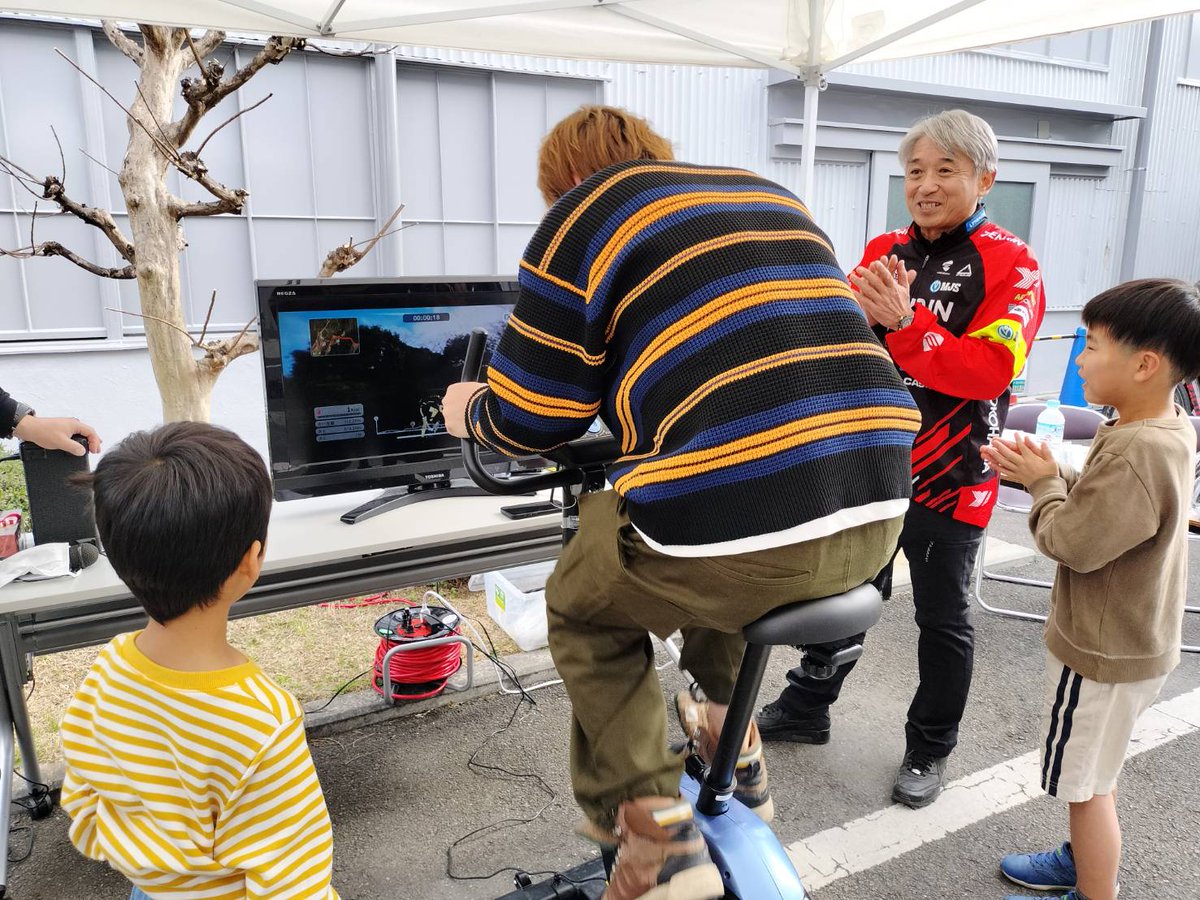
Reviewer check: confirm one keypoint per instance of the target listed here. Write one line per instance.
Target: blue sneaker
(1053, 870)
(1071, 895)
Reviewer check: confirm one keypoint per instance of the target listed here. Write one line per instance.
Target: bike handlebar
(472, 371)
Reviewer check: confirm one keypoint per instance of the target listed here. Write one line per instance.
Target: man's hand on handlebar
(454, 406)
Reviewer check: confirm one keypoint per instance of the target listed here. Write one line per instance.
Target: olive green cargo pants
(610, 590)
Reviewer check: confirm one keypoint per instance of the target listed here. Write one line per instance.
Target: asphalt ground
(400, 792)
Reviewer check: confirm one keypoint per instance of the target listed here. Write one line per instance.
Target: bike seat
(818, 621)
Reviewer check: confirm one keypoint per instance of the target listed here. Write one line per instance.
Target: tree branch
(219, 354)
(165, 149)
(210, 41)
(166, 141)
(54, 248)
(155, 319)
(154, 37)
(229, 200)
(183, 210)
(123, 42)
(342, 257)
(212, 301)
(22, 176)
(200, 149)
(97, 162)
(61, 158)
(203, 93)
(52, 190)
(97, 218)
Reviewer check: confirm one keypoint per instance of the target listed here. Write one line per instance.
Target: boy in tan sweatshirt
(1118, 531)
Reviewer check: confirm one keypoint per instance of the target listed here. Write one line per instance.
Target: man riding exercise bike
(765, 441)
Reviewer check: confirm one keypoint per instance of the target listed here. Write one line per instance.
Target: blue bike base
(753, 863)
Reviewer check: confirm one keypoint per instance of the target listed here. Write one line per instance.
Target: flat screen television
(355, 370)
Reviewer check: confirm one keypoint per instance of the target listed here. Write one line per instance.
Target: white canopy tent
(805, 38)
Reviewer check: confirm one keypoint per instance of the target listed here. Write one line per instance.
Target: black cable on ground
(30, 805)
(338, 692)
(486, 770)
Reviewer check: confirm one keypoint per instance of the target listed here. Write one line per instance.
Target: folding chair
(1081, 425)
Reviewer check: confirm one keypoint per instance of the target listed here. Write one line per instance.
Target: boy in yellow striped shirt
(187, 768)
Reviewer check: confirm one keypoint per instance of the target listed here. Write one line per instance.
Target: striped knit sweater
(195, 784)
(702, 315)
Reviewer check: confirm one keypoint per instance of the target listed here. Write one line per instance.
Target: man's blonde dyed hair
(590, 139)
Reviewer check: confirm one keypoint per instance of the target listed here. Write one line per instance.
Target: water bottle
(1051, 425)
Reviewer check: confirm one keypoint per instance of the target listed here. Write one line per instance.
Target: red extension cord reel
(418, 673)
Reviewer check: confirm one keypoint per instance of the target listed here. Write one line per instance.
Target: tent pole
(812, 91)
(911, 28)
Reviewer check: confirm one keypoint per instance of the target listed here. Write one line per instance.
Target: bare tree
(184, 368)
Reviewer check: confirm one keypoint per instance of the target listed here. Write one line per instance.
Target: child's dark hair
(177, 508)
(1161, 314)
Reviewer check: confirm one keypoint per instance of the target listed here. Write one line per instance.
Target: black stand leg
(718, 783)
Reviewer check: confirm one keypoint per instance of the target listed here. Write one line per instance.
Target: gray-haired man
(956, 300)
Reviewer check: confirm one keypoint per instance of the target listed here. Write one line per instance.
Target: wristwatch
(903, 322)
(23, 410)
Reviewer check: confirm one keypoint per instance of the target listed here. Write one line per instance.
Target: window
(1009, 205)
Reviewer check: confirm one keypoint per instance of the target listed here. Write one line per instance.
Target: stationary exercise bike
(752, 862)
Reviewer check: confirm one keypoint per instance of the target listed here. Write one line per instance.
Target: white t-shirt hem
(809, 531)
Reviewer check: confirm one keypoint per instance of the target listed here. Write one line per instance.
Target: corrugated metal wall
(1170, 242)
(1081, 254)
(713, 115)
(1120, 82)
(577, 68)
(839, 205)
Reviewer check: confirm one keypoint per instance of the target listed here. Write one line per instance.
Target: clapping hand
(1024, 460)
(883, 290)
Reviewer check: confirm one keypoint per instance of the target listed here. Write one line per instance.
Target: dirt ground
(311, 651)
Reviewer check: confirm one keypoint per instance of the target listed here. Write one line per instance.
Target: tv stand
(394, 498)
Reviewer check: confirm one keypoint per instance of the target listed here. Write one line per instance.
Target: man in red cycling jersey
(956, 300)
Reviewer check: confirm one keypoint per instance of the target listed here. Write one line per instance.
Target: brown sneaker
(661, 854)
(585, 828)
(751, 787)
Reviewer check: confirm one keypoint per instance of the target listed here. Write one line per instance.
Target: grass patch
(12, 489)
(311, 651)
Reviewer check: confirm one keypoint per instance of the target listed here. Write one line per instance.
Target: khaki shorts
(1086, 727)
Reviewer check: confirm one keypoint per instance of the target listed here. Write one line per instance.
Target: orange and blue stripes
(703, 316)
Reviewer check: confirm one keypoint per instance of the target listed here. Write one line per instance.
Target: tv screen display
(355, 371)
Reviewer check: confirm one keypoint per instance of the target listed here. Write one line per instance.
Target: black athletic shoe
(777, 724)
(920, 779)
